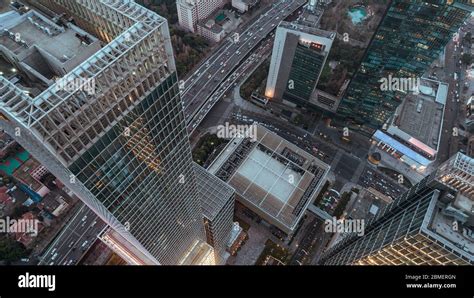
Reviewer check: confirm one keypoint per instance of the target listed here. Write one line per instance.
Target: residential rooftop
(211, 25)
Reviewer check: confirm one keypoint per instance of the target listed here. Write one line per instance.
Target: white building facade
(190, 12)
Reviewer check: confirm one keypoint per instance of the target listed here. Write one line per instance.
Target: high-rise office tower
(298, 57)
(457, 173)
(410, 37)
(431, 224)
(217, 201)
(113, 129)
(190, 12)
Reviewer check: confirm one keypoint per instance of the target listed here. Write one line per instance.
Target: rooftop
(310, 17)
(439, 224)
(214, 192)
(419, 118)
(21, 34)
(274, 177)
(307, 29)
(211, 25)
(458, 173)
(137, 24)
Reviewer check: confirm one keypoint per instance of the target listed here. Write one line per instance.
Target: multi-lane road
(74, 240)
(198, 89)
(234, 58)
(454, 74)
(347, 167)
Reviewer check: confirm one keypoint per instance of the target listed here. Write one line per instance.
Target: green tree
(466, 59)
(19, 211)
(11, 250)
(341, 206)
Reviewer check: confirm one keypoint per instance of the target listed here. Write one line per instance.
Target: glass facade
(410, 37)
(415, 229)
(123, 150)
(217, 202)
(135, 169)
(304, 73)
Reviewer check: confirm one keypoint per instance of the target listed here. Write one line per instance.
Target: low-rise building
(414, 132)
(54, 203)
(7, 143)
(271, 176)
(243, 6)
(191, 12)
(26, 228)
(210, 30)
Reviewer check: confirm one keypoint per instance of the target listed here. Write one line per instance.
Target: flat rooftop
(273, 177)
(419, 119)
(34, 29)
(307, 29)
(310, 18)
(211, 25)
(462, 239)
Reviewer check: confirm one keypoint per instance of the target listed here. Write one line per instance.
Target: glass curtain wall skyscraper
(124, 149)
(411, 35)
(431, 224)
(298, 57)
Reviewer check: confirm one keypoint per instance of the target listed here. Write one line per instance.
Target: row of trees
(348, 58)
(189, 49)
(256, 80)
(165, 8)
(11, 250)
(205, 147)
(341, 206)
